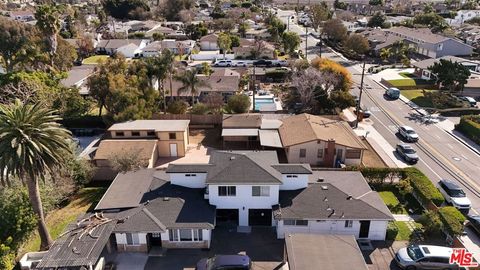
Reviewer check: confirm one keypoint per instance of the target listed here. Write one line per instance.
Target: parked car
(470, 101)
(223, 63)
(366, 113)
(425, 257)
(263, 62)
(240, 64)
(407, 152)
(473, 221)
(408, 133)
(454, 195)
(392, 92)
(225, 262)
(279, 63)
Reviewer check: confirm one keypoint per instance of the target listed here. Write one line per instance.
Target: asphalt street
(441, 155)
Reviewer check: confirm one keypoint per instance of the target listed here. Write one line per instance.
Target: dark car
(262, 63)
(407, 152)
(474, 222)
(225, 262)
(366, 113)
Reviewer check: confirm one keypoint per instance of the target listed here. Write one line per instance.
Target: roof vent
(324, 187)
(166, 199)
(349, 197)
(232, 158)
(321, 180)
(325, 199)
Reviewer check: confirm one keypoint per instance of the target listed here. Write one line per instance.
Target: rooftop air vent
(325, 199)
(232, 158)
(166, 199)
(324, 187)
(320, 180)
(349, 197)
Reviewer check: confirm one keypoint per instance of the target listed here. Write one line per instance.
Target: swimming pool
(264, 104)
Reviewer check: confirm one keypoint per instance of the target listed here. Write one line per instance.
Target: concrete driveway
(260, 245)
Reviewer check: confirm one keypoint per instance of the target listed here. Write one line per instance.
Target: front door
(173, 150)
(155, 239)
(364, 229)
(259, 217)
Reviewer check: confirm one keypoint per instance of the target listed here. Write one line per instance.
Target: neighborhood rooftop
(157, 125)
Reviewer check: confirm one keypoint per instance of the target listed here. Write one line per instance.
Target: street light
(361, 92)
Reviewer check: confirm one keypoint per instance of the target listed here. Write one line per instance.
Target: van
(392, 93)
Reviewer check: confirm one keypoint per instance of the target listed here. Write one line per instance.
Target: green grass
(58, 219)
(389, 198)
(417, 97)
(404, 233)
(94, 60)
(407, 82)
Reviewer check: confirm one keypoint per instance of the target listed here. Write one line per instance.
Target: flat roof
(270, 138)
(157, 125)
(239, 132)
(322, 251)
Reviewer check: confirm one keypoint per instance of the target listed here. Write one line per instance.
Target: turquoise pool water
(264, 103)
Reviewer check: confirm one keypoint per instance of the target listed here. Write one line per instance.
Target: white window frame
(231, 191)
(348, 223)
(135, 239)
(196, 235)
(296, 222)
(260, 191)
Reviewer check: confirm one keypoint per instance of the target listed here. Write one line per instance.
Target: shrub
(177, 107)
(378, 176)
(200, 109)
(431, 223)
(239, 103)
(423, 187)
(460, 111)
(452, 220)
(392, 231)
(470, 126)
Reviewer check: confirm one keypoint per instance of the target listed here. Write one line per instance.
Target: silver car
(407, 152)
(408, 133)
(425, 257)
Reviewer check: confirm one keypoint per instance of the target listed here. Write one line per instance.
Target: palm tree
(385, 53)
(48, 22)
(190, 83)
(32, 145)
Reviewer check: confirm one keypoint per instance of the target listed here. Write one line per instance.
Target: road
(441, 155)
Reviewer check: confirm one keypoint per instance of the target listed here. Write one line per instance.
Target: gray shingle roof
(293, 168)
(188, 168)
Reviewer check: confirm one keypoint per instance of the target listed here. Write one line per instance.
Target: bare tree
(258, 47)
(305, 82)
(128, 161)
(23, 91)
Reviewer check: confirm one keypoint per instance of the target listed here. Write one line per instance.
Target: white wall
(294, 183)
(205, 57)
(206, 236)
(377, 230)
(197, 181)
(122, 238)
(209, 46)
(243, 201)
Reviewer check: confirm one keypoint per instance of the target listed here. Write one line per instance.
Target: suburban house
(182, 47)
(307, 251)
(266, 50)
(181, 207)
(146, 139)
(424, 42)
(128, 47)
(209, 43)
(421, 67)
(22, 15)
(303, 138)
(461, 16)
(77, 77)
(378, 40)
(152, 49)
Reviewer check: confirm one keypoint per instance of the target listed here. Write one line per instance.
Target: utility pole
(254, 88)
(306, 42)
(361, 92)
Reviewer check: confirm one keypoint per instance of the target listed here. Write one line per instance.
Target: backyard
(94, 60)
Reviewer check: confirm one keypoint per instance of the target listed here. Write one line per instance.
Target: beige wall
(126, 248)
(128, 134)
(163, 144)
(171, 244)
(293, 154)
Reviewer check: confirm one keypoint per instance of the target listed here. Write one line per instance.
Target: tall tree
(48, 22)
(357, 43)
(125, 9)
(190, 83)
(32, 145)
(385, 54)
(335, 30)
(15, 38)
(319, 13)
(290, 41)
(158, 69)
(449, 74)
(377, 20)
(224, 42)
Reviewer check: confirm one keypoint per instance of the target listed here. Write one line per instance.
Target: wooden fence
(199, 120)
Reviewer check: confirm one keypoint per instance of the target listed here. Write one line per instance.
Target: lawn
(94, 60)
(404, 233)
(417, 97)
(392, 202)
(58, 219)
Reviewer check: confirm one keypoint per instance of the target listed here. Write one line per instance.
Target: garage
(227, 217)
(260, 217)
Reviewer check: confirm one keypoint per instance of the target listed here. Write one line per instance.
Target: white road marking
(449, 145)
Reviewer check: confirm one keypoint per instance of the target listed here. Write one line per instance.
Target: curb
(462, 141)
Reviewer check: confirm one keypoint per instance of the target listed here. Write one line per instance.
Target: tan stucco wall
(293, 154)
(128, 134)
(126, 248)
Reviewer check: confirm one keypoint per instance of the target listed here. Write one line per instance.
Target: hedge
(381, 175)
(423, 187)
(459, 111)
(87, 121)
(452, 220)
(392, 231)
(470, 127)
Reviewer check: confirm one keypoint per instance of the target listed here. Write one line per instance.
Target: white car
(223, 63)
(408, 133)
(240, 64)
(424, 257)
(454, 195)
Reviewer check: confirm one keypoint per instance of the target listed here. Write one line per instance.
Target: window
(172, 136)
(227, 191)
(132, 239)
(190, 175)
(150, 133)
(119, 134)
(135, 133)
(320, 153)
(303, 153)
(185, 235)
(260, 191)
(292, 176)
(348, 223)
(339, 153)
(295, 222)
(353, 153)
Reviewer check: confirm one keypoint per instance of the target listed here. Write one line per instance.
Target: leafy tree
(196, 31)
(206, 69)
(224, 42)
(200, 109)
(235, 41)
(48, 22)
(340, 77)
(177, 107)
(385, 53)
(335, 30)
(32, 145)
(125, 9)
(65, 56)
(126, 161)
(85, 46)
(275, 27)
(243, 28)
(171, 8)
(340, 5)
(223, 24)
(214, 102)
(70, 104)
(217, 12)
(158, 69)
(15, 37)
(376, 2)
(377, 20)
(239, 103)
(449, 74)
(290, 41)
(431, 20)
(357, 43)
(319, 14)
(191, 83)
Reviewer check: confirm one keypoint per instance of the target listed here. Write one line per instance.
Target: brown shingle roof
(142, 148)
(304, 128)
(242, 121)
(209, 38)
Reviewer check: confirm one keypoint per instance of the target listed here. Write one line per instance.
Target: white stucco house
(209, 43)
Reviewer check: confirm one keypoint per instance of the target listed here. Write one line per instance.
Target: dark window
(320, 153)
(295, 222)
(150, 133)
(303, 153)
(172, 136)
(227, 191)
(119, 134)
(353, 153)
(135, 133)
(348, 223)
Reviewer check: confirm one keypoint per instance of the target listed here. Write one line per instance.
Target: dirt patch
(210, 137)
(371, 158)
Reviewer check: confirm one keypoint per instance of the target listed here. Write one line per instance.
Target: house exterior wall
(122, 245)
(243, 200)
(378, 228)
(197, 181)
(293, 183)
(127, 134)
(453, 47)
(311, 157)
(209, 46)
(164, 143)
(205, 243)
